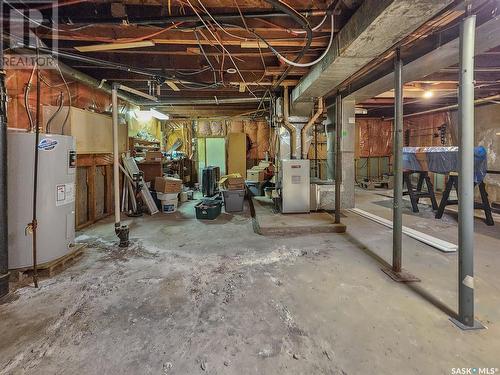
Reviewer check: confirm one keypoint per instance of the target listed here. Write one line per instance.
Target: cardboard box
(255, 175)
(154, 156)
(265, 164)
(168, 185)
(235, 183)
(232, 182)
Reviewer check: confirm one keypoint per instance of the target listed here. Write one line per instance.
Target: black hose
(4, 230)
(278, 4)
(34, 222)
(162, 20)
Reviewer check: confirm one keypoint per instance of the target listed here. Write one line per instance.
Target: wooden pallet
(49, 269)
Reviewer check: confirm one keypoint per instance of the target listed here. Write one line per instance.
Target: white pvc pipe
(116, 157)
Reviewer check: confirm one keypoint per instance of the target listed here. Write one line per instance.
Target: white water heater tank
(55, 197)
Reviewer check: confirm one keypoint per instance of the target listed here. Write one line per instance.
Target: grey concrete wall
(348, 147)
(487, 126)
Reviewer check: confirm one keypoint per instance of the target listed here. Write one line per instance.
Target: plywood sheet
(93, 132)
(236, 153)
(100, 191)
(82, 208)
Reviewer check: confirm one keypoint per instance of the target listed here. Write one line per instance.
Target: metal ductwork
(288, 125)
(84, 78)
(310, 123)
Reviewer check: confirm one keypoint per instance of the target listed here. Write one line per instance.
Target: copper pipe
(310, 123)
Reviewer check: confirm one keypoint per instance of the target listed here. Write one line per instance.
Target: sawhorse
(453, 183)
(415, 193)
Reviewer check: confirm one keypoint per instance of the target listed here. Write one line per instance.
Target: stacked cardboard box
(232, 182)
(260, 172)
(168, 185)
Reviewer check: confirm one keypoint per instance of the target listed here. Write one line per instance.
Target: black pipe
(34, 222)
(4, 232)
(300, 19)
(175, 19)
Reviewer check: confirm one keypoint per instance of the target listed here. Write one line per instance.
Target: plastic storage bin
(208, 211)
(169, 206)
(256, 189)
(233, 200)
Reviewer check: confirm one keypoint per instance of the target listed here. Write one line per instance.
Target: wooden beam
(114, 46)
(173, 86)
(182, 38)
(278, 70)
(280, 43)
(286, 82)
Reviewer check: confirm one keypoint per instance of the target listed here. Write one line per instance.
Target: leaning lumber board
(131, 169)
(441, 245)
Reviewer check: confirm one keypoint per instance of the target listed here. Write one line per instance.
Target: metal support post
(397, 213)
(122, 231)
(396, 272)
(338, 156)
(466, 178)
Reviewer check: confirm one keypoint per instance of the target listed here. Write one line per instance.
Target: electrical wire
(205, 55)
(85, 37)
(241, 15)
(218, 24)
(69, 99)
(26, 95)
(59, 107)
(306, 65)
(192, 73)
(299, 18)
(284, 59)
(224, 48)
(99, 62)
(315, 28)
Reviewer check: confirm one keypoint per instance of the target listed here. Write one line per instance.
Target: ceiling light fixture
(428, 94)
(159, 115)
(143, 115)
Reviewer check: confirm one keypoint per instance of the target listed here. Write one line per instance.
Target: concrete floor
(192, 297)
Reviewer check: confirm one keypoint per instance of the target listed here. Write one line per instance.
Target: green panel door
(216, 153)
(211, 151)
